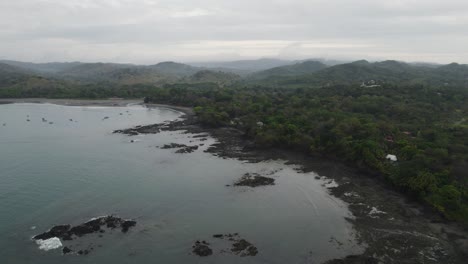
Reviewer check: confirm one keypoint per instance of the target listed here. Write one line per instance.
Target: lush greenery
(418, 114)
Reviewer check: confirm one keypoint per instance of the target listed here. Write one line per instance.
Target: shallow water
(71, 171)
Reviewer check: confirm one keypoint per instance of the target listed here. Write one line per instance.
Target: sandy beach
(89, 102)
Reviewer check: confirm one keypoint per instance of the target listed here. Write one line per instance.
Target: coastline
(393, 228)
(97, 102)
(71, 102)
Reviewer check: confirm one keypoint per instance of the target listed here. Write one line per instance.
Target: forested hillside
(297, 69)
(386, 72)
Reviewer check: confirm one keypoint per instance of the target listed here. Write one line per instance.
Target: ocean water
(74, 169)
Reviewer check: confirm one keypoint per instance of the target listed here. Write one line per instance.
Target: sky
(150, 31)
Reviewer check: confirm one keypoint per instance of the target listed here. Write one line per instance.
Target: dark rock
(57, 231)
(127, 224)
(187, 149)
(66, 250)
(252, 251)
(240, 245)
(254, 180)
(84, 229)
(200, 136)
(218, 236)
(202, 250)
(182, 148)
(66, 232)
(245, 248)
(354, 259)
(173, 145)
(83, 252)
(67, 236)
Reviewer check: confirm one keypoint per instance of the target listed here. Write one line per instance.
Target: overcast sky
(149, 31)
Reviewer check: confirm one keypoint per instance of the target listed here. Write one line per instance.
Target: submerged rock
(181, 147)
(354, 259)
(202, 249)
(244, 248)
(187, 149)
(173, 145)
(127, 224)
(66, 250)
(254, 180)
(239, 246)
(83, 252)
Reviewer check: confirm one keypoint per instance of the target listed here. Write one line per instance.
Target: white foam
(374, 212)
(98, 217)
(331, 184)
(351, 194)
(49, 244)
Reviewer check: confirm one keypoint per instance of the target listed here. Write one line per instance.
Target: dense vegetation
(418, 114)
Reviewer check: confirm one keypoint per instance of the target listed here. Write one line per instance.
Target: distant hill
(359, 72)
(246, 65)
(46, 68)
(10, 69)
(17, 82)
(297, 69)
(127, 73)
(31, 75)
(11, 74)
(451, 74)
(113, 73)
(295, 74)
(174, 69)
(209, 76)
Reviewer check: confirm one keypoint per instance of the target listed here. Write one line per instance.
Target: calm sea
(71, 168)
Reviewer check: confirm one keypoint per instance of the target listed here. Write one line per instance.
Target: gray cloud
(147, 31)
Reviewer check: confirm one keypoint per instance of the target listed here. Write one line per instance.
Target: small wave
(49, 244)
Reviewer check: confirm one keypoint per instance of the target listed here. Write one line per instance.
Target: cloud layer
(148, 31)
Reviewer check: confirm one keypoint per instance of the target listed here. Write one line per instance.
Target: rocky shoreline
(53, 238)
(238, 246)
(392, 228)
